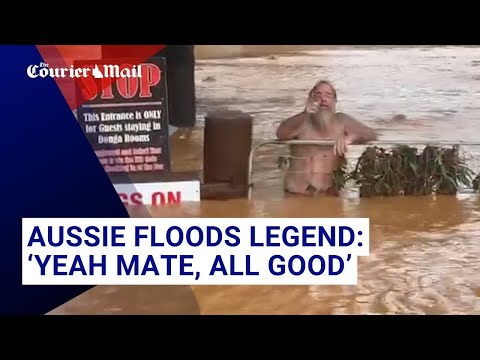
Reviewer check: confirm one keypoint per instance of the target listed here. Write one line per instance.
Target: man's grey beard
(322, 118)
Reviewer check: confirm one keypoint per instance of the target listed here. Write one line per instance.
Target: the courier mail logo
(99, 72)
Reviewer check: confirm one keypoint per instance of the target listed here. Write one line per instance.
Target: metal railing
(332, 142)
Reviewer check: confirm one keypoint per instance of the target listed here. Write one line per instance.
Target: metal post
(332, 142)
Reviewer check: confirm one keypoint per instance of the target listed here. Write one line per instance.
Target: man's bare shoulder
(362, 133)
(347, 119)
(344, 116)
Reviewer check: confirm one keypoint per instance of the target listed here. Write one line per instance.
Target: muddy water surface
(424, 252)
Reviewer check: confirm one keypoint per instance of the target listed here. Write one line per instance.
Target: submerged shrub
(403, 171)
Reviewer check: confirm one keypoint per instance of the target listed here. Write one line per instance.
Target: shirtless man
(312, 166)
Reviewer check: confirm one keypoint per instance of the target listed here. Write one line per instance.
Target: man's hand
(341, 146)
(312, 106)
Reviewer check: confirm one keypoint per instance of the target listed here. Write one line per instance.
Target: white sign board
(159, 193)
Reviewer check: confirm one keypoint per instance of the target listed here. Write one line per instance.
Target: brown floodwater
(424, 251)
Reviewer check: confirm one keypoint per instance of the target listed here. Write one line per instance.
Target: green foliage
(403, 171)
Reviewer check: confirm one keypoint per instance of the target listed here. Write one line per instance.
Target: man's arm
(356, 132)
(289, 129)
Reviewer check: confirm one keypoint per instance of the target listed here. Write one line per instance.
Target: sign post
(124, 115)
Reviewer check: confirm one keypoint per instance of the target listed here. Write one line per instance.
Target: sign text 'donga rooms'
(125, 119)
